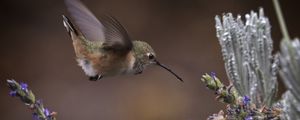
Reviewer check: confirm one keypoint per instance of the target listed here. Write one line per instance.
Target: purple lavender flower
(246, 100)
(21, 90)
(39, 102)
(213, 75)
(35, 116)
(249, 118)
(46, 112)
(13, 93)
(24, 86)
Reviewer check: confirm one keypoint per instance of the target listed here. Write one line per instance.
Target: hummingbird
(103, 47)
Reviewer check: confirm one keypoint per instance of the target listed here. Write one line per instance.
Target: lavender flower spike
(28, 98)
(247, 53)
(23, 86)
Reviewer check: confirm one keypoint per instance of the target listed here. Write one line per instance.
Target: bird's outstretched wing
(108, 30)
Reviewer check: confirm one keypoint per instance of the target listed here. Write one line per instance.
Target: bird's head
(145, 55)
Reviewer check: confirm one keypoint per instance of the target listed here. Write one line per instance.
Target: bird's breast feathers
(87, 67)
(107, 64)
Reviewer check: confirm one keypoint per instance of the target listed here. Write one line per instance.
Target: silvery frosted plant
(252, 69)
(247, 53)
(238, 107)
(250, 66)
(290, 70)
(290, 105)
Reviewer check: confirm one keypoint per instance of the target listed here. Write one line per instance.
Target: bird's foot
(95, 78)
(139, 72)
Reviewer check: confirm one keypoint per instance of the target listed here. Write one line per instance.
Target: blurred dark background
(35, 48)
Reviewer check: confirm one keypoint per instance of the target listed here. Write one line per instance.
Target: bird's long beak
(168, 69)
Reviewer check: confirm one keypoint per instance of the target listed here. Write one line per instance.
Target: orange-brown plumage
(103, 47)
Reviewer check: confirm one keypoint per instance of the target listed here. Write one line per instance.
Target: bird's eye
(150, 56)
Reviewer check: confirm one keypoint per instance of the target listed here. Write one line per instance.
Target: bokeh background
(35, 48)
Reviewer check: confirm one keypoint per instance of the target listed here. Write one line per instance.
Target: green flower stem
(225, 94)
(281, 20)
(29, 99)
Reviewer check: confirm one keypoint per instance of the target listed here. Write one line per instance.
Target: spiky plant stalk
(28, 98)
(250, 66)
(247, 53)
(290, 70)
